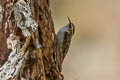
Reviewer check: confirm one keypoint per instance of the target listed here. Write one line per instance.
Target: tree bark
(28, 41)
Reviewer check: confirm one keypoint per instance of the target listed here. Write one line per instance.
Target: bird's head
(71, 27)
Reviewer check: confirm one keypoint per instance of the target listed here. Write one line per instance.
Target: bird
(63, 41)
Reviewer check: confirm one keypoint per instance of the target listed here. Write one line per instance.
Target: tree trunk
(28, 41)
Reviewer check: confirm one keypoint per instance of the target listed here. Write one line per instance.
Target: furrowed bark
(28, 41)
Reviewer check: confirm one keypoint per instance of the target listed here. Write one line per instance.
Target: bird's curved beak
(69, 20)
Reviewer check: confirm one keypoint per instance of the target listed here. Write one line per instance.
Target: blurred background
(94, 53)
